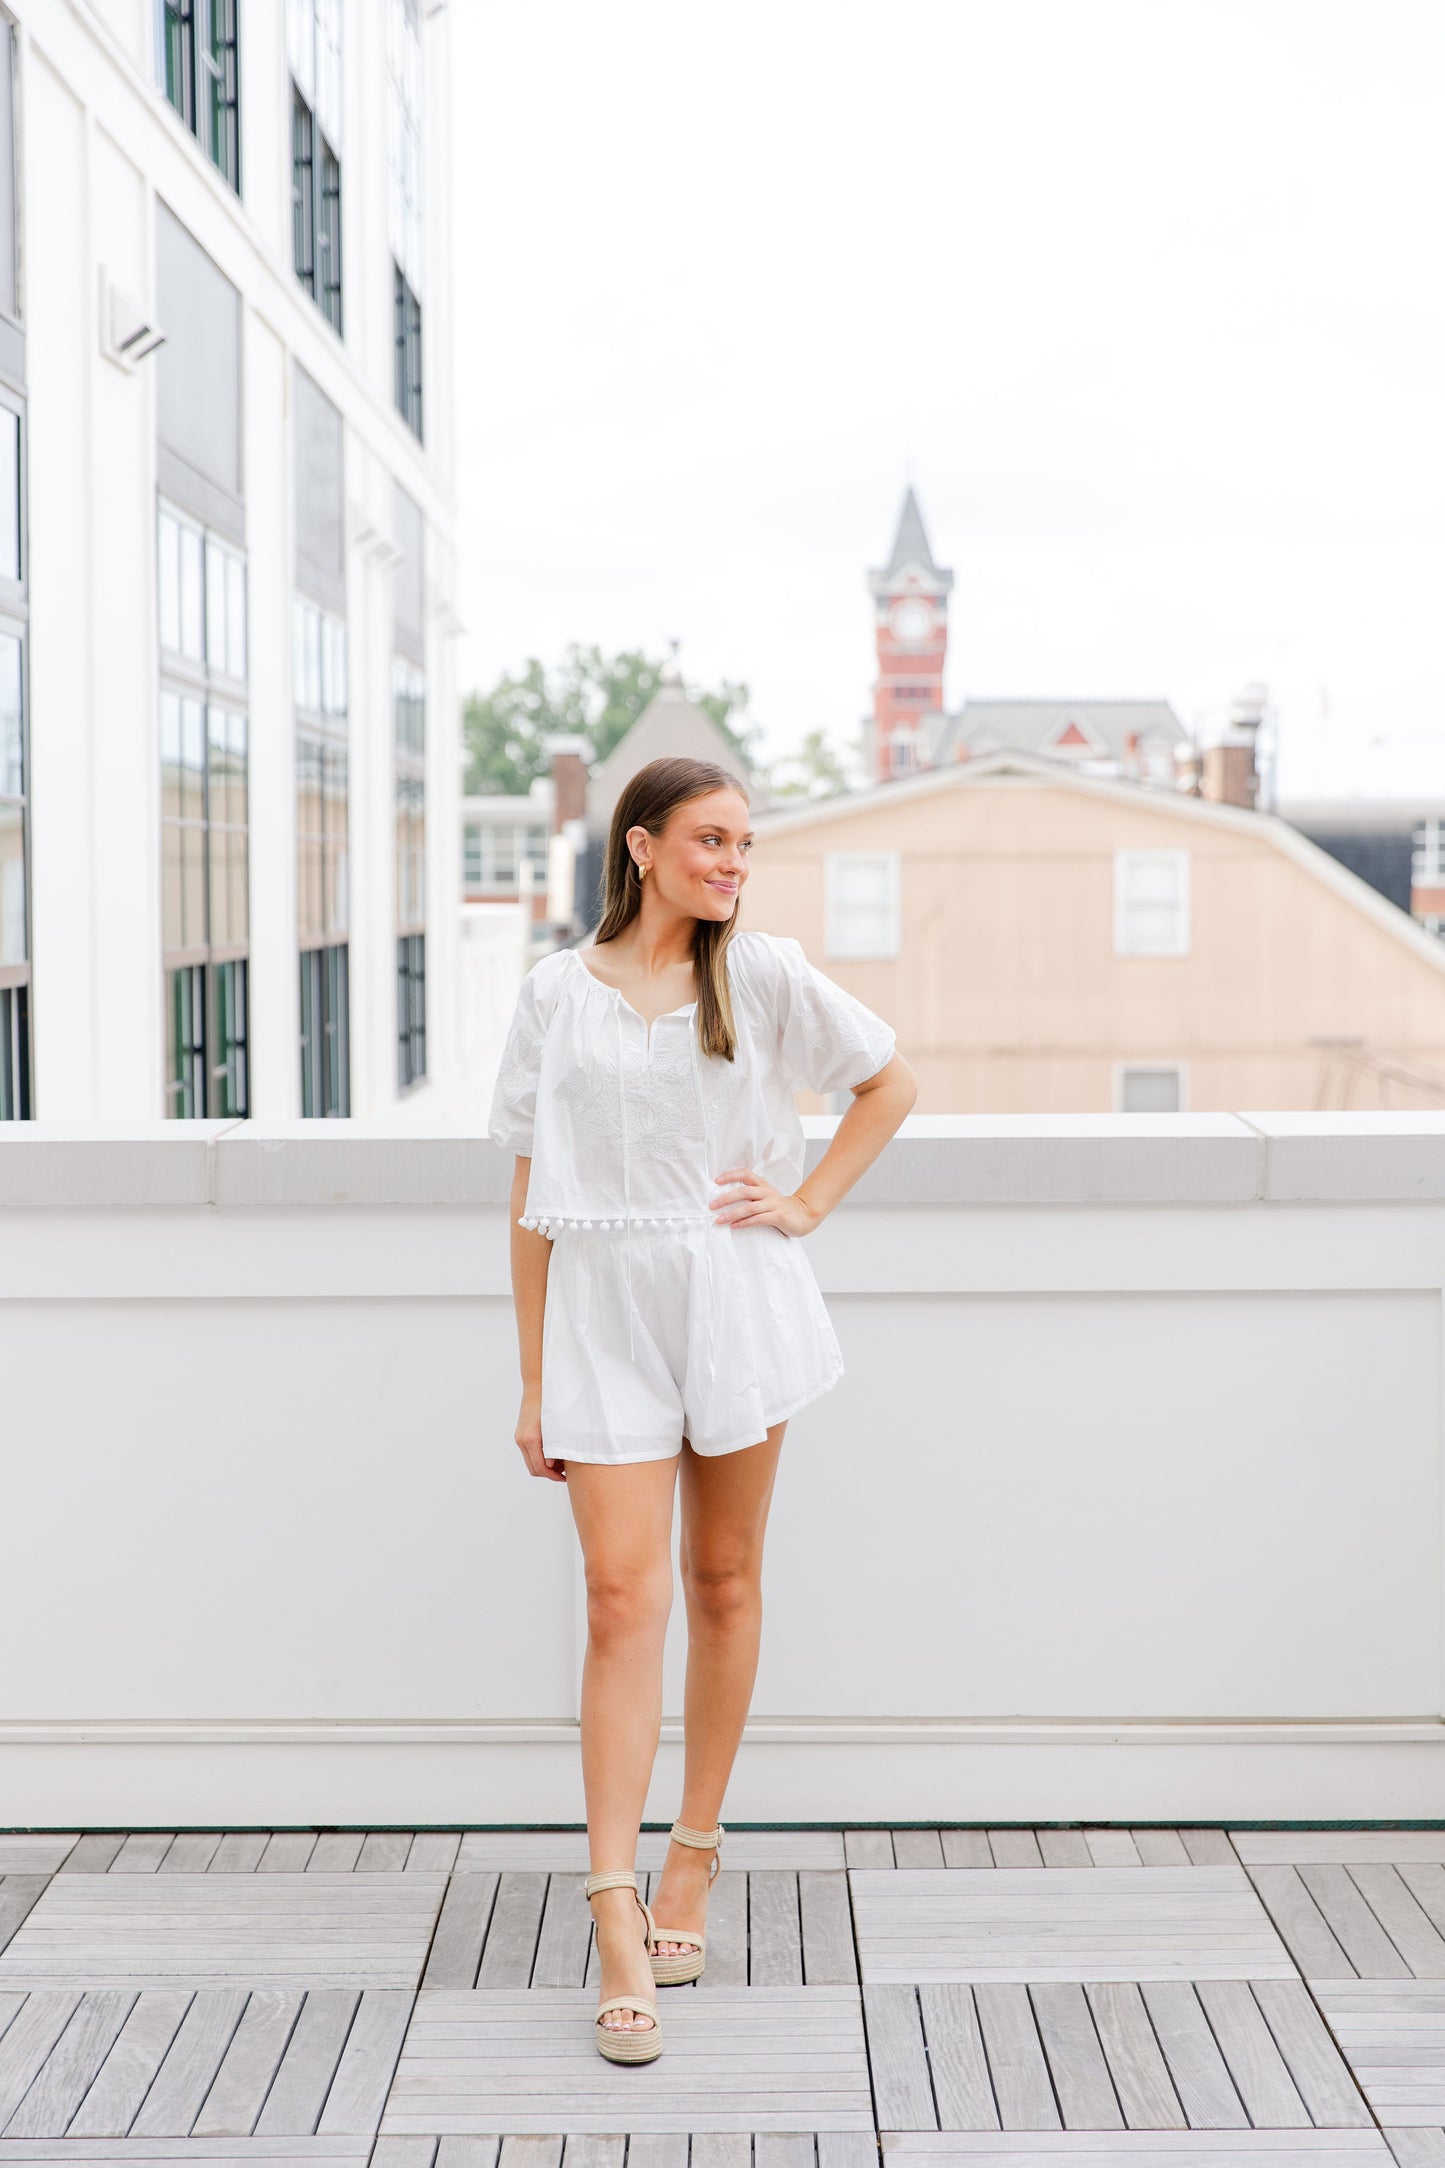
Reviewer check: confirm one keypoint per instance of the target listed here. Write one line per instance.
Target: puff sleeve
(828, 1040)
(514, 1098)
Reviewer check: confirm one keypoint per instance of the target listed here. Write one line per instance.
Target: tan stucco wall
(1008, 996)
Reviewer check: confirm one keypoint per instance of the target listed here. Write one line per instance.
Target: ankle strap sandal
(677, 1967)
(616, 2044)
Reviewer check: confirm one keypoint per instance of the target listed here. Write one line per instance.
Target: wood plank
(93, 1854)
(1417, 2148)
(298, 2095)
(1082, 2084)
(336, 1852)
(962, 2087)
(731, 2148)
(29, 2038)
(192, 2060)
(1392, 2033)
(1112, 1848)
(529, 2152)
(565, 1935)
(405, 2152)
(841, 2149)
(961, 1848)
(1069, 1923)
(240, 1851)
(456, 1949)
(516, 1921)
(1323, 2077)
(1403, 1918)
(434, 1851)
(583, 2149)
(1364, 1941)
(917, 1848)
(1199, 2072)
(249, 2065)
(668, 2149)
(384, 1852)
(1160, 1848)
(775, 1936)
(772, 2149)
(1015, 2057)
(1014, 1848)
(214, 2152)
(142, 1852)
(1343, 1847)
(19, 1895)
(70, 2067)
(1260, 2073)
(126, 2075)
(1299, 1923)
(1145, 2090)
(34, 1851)
(368, 2064)
(1137, 2149)
(1061, 1848)
(459, 2152)
(287, 1852)
(1209, 1847)
(902, 2093)
(736, 2059)
(192, 1853)
(868, 1848)
(829, 1958)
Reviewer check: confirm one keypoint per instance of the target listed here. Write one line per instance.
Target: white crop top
(624, 1128)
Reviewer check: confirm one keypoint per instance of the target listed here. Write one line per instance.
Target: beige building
(1049, 942)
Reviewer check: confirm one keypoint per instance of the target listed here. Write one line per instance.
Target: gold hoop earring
(641, 871)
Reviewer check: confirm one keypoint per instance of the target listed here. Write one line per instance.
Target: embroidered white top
(628, 1126)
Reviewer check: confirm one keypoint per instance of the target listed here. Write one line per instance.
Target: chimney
(1231, 770)
(569, 778)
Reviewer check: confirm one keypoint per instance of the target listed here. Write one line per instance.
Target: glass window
(407, 386)
(1151, 903)
(319, 677)
(861, 903)
(325, 1043)
(9, 479)
(200, 76)
(411, 1009)
(205, 820)
(1155, 1089)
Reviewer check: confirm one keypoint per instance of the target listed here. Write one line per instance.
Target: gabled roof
(1029, 771)
(1031, 726)
(910, 552)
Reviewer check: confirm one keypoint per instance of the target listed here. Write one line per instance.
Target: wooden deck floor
(961, 1997)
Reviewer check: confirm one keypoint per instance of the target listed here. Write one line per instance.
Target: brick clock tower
(911, 599)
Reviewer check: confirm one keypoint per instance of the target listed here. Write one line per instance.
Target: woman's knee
(623, 1603)
(722, 1587)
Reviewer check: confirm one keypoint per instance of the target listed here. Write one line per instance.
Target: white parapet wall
(1129, 1507)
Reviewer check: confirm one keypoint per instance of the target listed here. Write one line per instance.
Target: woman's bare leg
(725, 1501)
(624, 1523)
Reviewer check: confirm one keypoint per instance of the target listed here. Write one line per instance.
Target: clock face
(912, 620)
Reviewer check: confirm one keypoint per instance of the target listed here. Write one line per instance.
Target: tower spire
(911, 612)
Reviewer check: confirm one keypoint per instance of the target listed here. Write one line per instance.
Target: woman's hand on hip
(529, 1438)
(752, 1202)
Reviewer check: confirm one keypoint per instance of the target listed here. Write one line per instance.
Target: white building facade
(228, 727)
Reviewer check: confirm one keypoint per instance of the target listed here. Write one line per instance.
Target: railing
(1131, 1504)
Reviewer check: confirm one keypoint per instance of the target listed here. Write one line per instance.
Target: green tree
(597, 696)
(815, 770)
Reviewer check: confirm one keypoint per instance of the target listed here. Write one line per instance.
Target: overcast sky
(1146, 297)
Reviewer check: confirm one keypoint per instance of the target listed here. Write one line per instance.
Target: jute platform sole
(677, 1968)
(618, 2044)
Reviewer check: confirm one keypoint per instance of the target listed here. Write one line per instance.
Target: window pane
(12, 885)
(193, 888)
(173, 928)
(215, 605)
(9, 476)
(192, 641)
(193, 761)
(235, 615)
(169, 568)
(220, 841)
(298, 653)
(12, 747)
(301, 45)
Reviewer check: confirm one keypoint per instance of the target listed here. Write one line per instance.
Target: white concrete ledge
(934, 1160)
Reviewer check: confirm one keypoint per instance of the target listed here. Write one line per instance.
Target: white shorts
(727, 1334)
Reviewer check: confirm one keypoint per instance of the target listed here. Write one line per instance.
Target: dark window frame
(325, 973)
(407, 344)
(411, 1010)
(316, 243)
(201, 77)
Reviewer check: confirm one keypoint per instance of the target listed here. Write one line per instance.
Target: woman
(666, 1329)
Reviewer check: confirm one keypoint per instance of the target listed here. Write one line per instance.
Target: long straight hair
(649, 801)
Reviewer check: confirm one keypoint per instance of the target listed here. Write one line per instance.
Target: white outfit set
(660, 1323)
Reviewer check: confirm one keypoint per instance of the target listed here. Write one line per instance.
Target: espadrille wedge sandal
(618, 2044)
(676, 1968)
